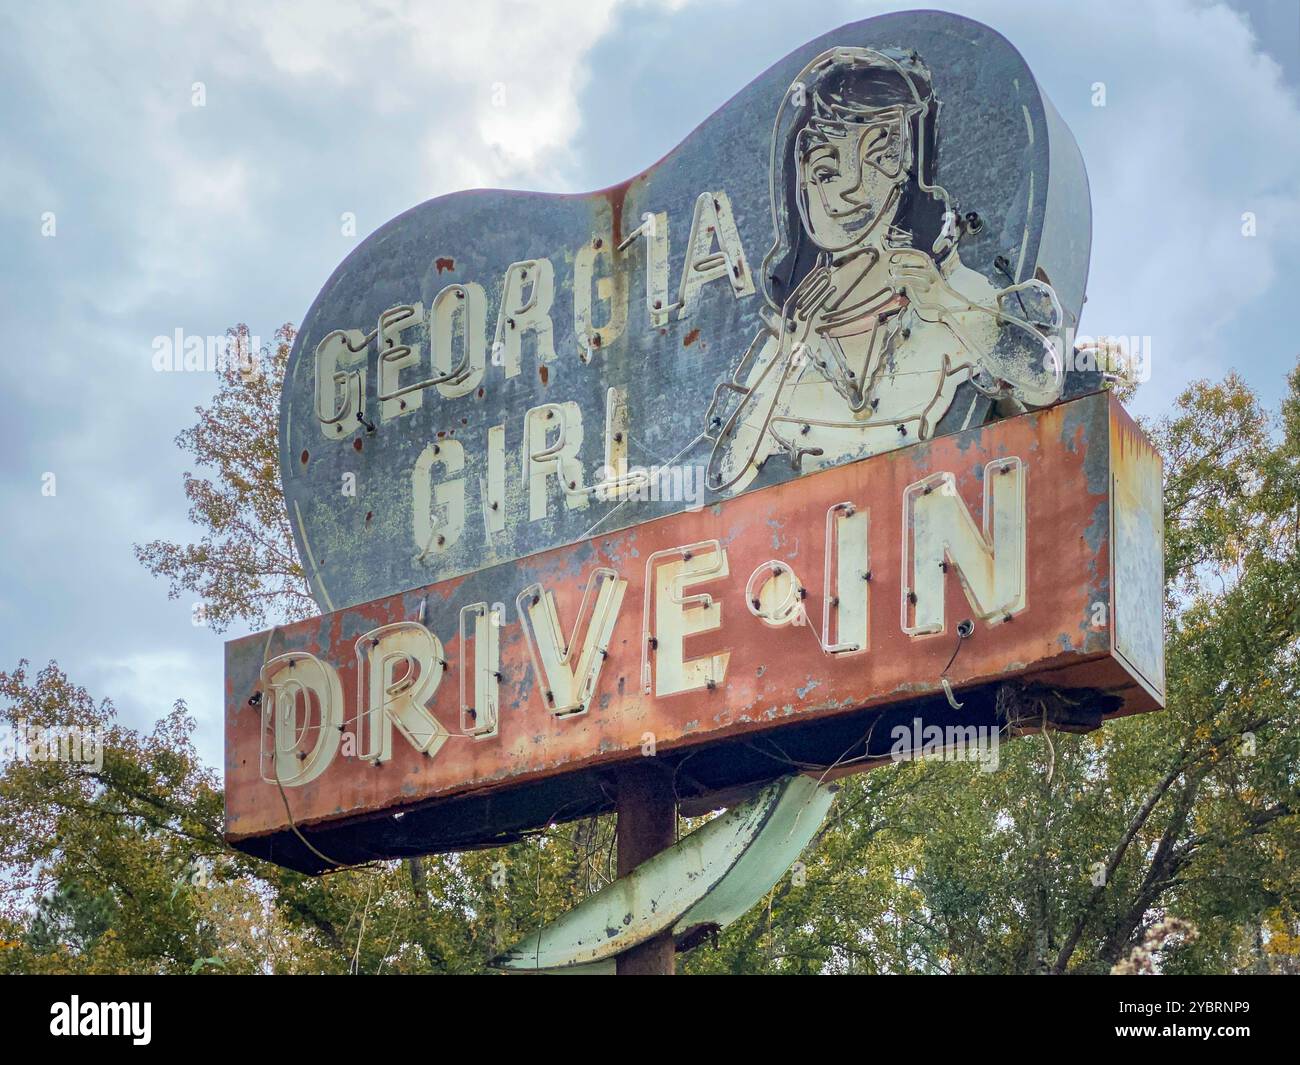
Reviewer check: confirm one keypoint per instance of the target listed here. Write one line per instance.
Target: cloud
(150, 682)
(1200, 126)
(176, 216)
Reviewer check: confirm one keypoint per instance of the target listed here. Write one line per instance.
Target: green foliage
(1075, 852)
(1065, 858)
(245, 567)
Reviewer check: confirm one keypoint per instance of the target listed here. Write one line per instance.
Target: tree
(245, 567)
(1079, 847)
(124, 868)
(1074, 853)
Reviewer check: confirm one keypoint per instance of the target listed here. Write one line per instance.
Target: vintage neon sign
(867, 248)
(685, 591)
(846, 469)
(995, 555)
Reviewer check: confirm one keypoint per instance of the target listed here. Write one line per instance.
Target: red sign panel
(458, 714)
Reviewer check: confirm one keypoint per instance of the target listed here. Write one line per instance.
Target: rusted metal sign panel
(774, 627)
(881, 239)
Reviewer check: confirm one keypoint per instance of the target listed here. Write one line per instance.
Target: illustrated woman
(874, 331)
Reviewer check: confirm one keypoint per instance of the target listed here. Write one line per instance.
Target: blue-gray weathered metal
(954, 147)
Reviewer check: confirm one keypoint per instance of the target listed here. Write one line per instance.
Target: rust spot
(615, 195)
(369, 514)
(441, 433)
(445, 263)
(305, 456)
(690, 338)
(543, 373)
(356, 444)
(482, 392)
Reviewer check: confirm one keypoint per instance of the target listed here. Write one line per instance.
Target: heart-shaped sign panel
(882, 238)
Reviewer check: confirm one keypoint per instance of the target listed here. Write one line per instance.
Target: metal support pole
(647, 824)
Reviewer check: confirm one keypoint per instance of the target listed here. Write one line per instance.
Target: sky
(187, 166)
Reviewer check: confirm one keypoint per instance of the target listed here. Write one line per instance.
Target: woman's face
(851, 175)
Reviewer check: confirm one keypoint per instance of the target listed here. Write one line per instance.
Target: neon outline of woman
(867, 336)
